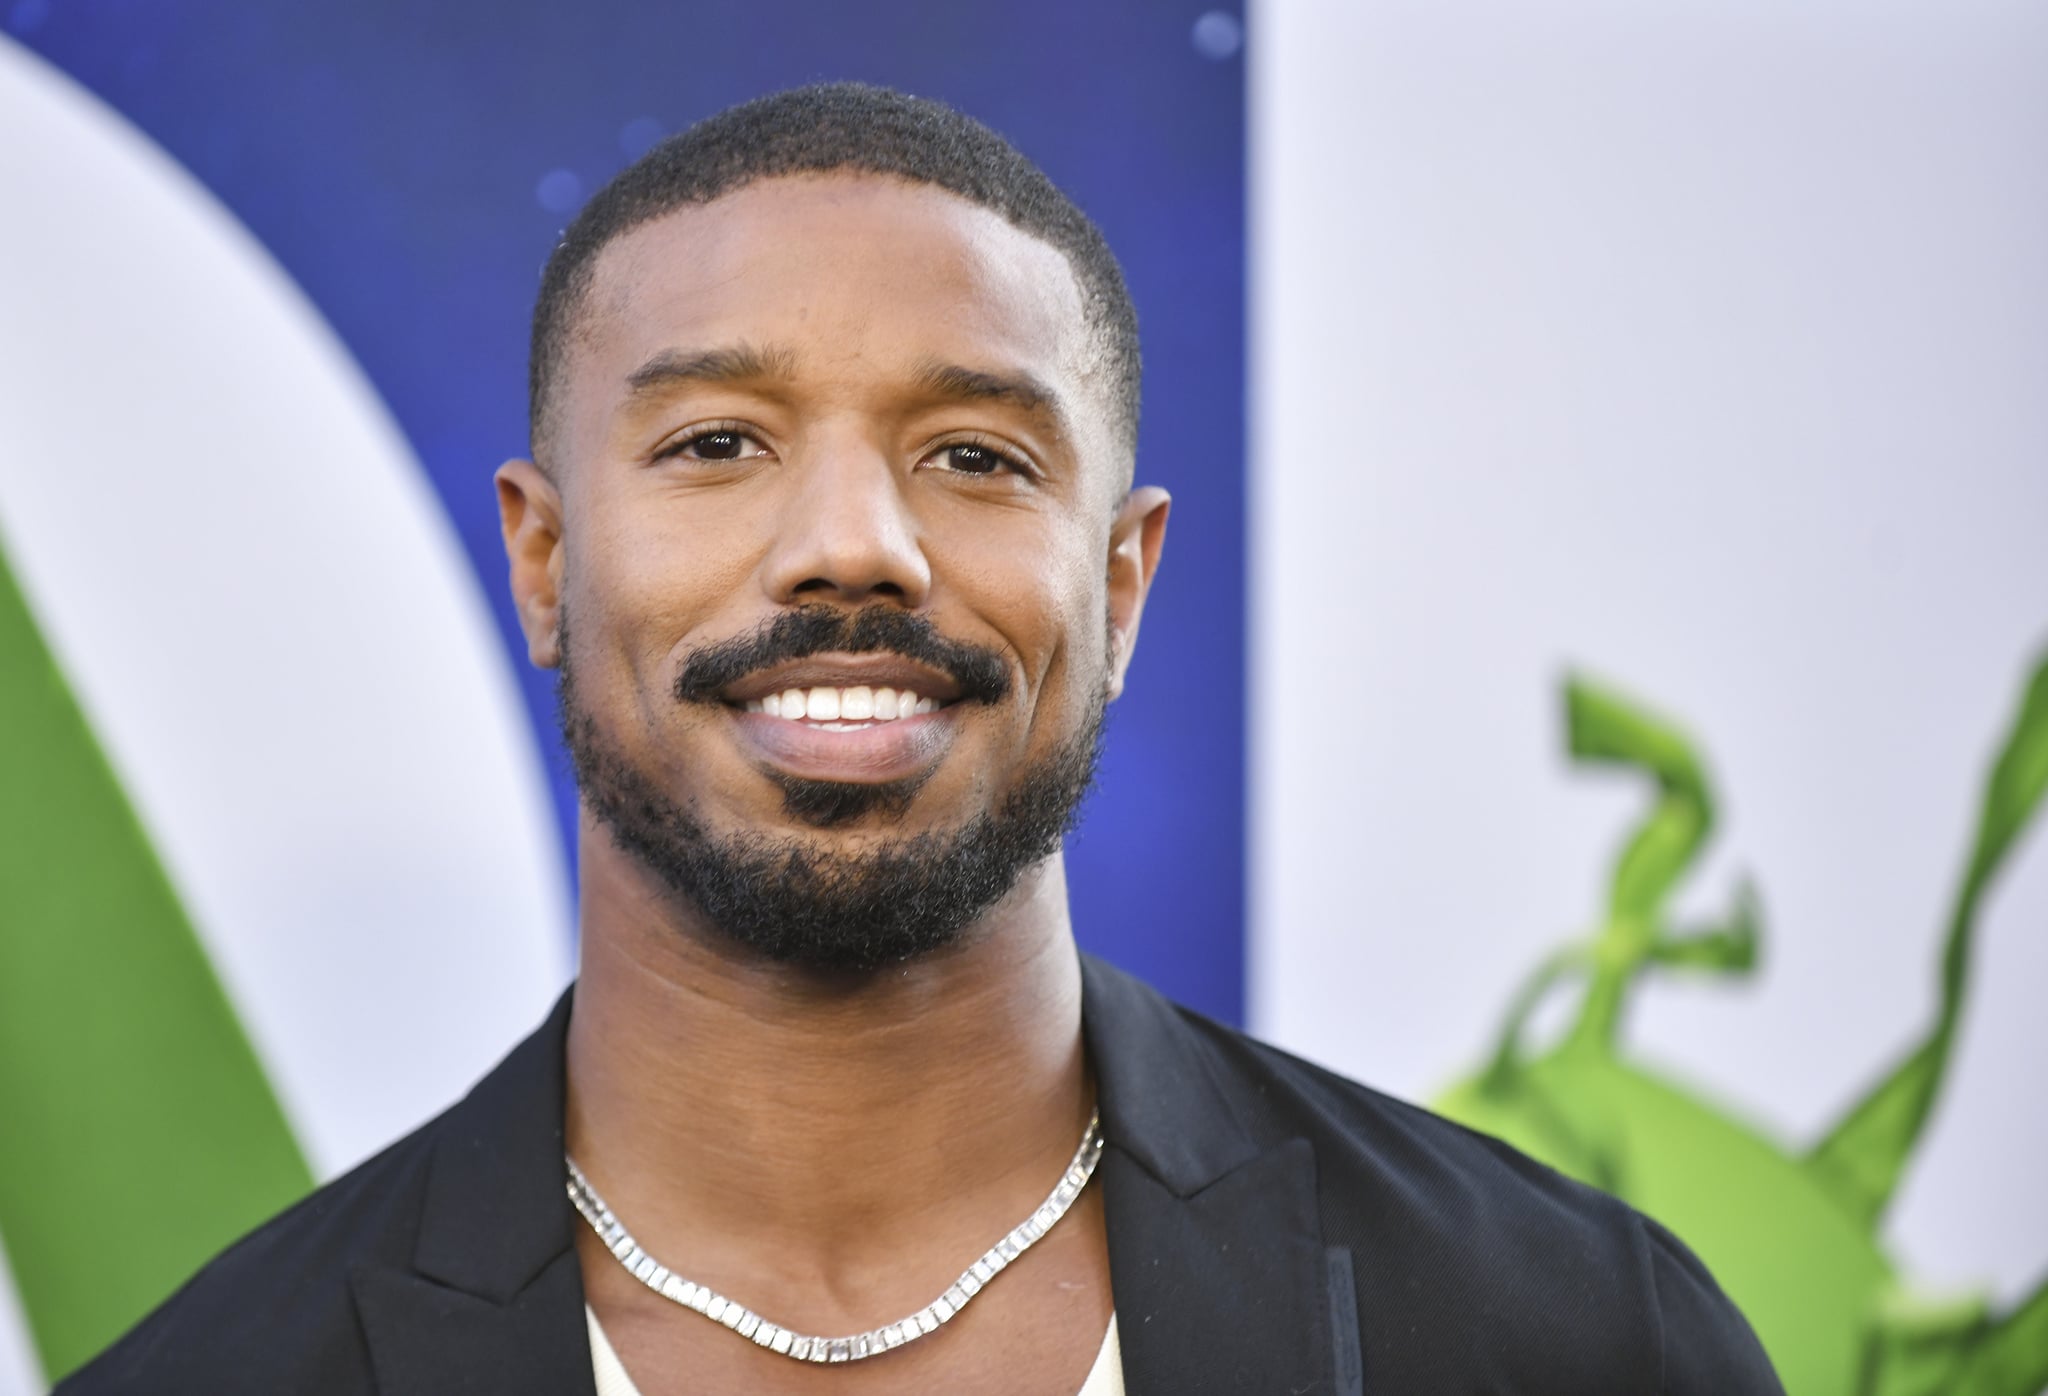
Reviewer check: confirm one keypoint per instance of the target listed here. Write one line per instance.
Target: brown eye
(969, 459)
(722, 444)
(717, 445)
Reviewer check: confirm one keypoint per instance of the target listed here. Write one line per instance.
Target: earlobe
(530, 517)
(1135, 541)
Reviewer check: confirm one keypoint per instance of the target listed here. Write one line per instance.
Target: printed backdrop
(264, 287)
(1700, 352)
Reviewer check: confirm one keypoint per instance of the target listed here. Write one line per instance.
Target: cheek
(1046, 598)
(643, 578)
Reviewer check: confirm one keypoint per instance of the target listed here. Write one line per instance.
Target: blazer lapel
(426, 1338)
(493, 1298)
(1221, 1279)
(1223, 1291)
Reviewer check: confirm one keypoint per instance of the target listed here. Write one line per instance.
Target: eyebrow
(1017, 389)
(732, 364)
(741, 363)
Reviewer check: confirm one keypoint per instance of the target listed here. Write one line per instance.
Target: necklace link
(802, 1347)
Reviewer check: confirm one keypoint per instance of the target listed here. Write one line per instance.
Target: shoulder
(472, 1199)
(274, 1309)
(1458, 1238)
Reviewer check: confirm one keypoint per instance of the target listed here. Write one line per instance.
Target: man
(830, 529)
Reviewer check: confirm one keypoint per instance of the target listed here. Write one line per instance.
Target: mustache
(810, 630)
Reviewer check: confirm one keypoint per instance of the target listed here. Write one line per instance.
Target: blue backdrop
(411, 166)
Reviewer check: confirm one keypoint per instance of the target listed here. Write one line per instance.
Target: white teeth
(857, 706)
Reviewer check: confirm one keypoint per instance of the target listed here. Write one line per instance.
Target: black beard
(796, 903)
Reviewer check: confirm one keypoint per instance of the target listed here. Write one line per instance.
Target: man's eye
(716, 445)
(970, 459)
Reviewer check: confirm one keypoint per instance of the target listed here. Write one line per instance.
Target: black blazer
(1272, 1229)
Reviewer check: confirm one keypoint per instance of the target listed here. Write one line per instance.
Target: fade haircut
(817, 130)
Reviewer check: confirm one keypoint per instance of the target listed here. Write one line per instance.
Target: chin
(830, 804)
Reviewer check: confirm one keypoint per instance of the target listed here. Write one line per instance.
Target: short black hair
(819, 129)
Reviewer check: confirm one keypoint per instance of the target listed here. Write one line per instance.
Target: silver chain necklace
(876, 1341)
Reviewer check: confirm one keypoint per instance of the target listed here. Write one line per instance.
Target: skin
(831, 1150)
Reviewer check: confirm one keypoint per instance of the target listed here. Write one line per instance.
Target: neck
(707, 1085)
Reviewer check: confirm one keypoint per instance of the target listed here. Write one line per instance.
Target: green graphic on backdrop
(1792, 1235)
(141, 1133)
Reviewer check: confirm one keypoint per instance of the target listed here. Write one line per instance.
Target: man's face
(831, 436)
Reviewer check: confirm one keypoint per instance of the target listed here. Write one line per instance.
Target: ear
(530, 513)
(1135, 539)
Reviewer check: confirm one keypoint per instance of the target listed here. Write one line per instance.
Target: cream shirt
(1105, 1378)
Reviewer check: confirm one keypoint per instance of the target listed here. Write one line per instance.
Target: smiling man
(830, 530)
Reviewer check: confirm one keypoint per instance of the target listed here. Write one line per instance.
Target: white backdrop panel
(1702, 346)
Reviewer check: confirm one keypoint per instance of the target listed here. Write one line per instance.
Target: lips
(871, 752)
(862, 719)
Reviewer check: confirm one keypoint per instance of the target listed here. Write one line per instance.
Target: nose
(846, 532)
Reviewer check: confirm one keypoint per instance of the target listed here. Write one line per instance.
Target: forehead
(861, 276)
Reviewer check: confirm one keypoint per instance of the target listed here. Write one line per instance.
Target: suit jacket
(1273, 1228)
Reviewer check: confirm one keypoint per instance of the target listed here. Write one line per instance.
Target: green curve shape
(141, 1132)
(1603, 727)
(1805, 1272)
(2013, 1357)
(1794, 1238)
(1863, 1157)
